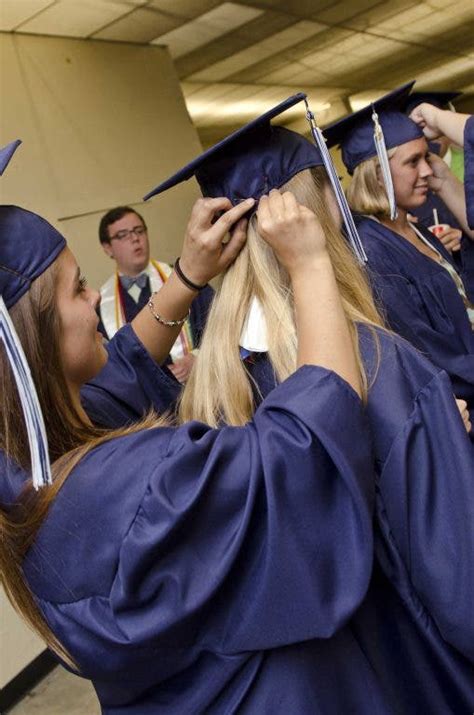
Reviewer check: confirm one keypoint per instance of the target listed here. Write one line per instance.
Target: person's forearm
(452, 124)
(452, 193)
(324, 337)
(172, 302)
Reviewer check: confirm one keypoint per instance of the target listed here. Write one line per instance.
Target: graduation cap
(371, 131)
(437, 99)
(261, 156)
(28, 246)
(250, 162)
(6, 154)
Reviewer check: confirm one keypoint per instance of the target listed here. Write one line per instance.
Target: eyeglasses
(127, 234)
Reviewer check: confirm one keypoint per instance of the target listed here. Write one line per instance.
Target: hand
(450, 238)
(441, 172)
(462, 407)
(292, 230)
(426, 116)
(182, 367)
(204, 253)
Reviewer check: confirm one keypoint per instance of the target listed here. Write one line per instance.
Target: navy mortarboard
(250, 162)
(6, 154)
(259, 157)
(28, 246)
(372, 130)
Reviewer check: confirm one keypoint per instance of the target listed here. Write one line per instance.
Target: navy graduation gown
(462, 259)
(420, 301)
(130, 384)
(227, 567)
(415, 625)
(469, 170)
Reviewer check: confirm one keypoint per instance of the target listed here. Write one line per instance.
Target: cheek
(82, 352)
(403, 180)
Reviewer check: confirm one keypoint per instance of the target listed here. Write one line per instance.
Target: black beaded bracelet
(184, 279)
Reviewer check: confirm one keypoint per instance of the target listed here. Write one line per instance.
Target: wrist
(304, 268)
(181, 292)
(189, 275)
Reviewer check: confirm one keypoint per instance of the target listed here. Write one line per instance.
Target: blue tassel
(351, 230)
(40, 464)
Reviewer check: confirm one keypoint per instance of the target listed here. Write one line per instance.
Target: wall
(101, 124)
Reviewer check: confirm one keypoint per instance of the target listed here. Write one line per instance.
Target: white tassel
(38, 441)
(379, 141)
(346, 213)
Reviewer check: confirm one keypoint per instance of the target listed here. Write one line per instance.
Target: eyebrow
(418, 155)
(77, 276)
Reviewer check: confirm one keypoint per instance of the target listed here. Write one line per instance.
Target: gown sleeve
(426, 489)
(435, 322)
(469, 170)
(254, 537)
(130, 384)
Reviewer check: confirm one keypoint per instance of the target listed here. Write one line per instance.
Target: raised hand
(205, 254)
(292, 230)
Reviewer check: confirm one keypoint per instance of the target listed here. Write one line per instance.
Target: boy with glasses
(123, 235)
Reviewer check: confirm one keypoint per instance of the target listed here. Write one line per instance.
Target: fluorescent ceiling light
(249, 108)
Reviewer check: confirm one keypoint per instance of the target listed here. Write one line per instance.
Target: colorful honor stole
(112, 307)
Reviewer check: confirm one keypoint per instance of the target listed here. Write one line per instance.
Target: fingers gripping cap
(437, 99)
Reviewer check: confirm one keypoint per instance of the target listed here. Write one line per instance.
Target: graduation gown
(129, 385)
(415, 625)
(469, 170)
(392, 656)
(193, 570)
(420, 301)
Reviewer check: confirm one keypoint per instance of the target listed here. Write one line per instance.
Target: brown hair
(219, 387)
(70, 438)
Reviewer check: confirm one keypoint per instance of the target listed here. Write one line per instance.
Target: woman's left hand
(205, 254)
(450, 238)
(426, 116)
(440, 170)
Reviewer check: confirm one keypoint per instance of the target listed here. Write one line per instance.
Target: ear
(379, 177)
(108, 250)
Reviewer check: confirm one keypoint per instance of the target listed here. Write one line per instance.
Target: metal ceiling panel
(71, 19)
(207, 27)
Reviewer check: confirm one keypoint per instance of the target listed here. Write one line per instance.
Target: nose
(425, 169)
(95, 298)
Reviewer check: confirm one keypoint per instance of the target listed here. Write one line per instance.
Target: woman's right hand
(205, 254)
(291, 229)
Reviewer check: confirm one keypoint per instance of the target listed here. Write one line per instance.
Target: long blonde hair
(365, 193)
(70, 438)
(219, 389)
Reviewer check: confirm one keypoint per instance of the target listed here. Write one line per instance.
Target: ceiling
(236, 59)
